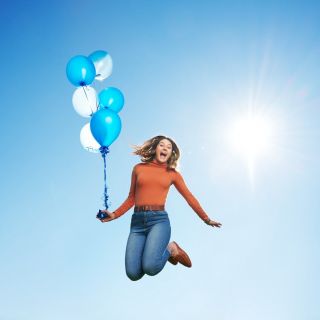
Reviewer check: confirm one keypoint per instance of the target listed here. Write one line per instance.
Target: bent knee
(134, 276)
(152, 269)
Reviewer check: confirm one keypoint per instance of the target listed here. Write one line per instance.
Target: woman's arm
(129, 202)
(180, 185)
(192, 201)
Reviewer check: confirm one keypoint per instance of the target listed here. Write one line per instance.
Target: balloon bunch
(105, 124)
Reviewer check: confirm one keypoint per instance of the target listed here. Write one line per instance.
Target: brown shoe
(181, 257)
(172, 260)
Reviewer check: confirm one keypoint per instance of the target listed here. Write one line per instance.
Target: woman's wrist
(207, 220)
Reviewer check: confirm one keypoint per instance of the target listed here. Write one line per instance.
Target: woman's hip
(147, 219)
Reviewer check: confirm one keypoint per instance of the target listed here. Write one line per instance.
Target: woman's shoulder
(139, 165)
(174, 172)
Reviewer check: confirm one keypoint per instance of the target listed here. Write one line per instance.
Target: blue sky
(187, 70)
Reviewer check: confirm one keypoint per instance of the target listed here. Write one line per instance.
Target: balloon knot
(104, 150)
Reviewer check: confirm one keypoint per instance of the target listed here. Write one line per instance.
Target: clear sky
(188, 70)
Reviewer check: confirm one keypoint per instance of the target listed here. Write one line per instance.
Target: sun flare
(251, 137)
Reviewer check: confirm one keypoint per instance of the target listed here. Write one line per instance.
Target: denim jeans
(146, 251)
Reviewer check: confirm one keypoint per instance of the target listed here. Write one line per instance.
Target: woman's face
(163, 150)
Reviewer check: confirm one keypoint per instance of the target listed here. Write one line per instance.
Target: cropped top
(150, 183)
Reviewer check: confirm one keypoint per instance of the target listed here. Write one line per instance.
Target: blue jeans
(146, 251)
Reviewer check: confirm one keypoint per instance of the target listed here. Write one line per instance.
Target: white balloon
(103, 63)
(84, 101)
(87, 140)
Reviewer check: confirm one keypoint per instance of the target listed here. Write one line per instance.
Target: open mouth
(163, 155)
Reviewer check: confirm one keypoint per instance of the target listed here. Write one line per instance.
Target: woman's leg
(156, 254)
(134, 250)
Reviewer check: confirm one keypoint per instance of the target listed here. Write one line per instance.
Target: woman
(148, 248)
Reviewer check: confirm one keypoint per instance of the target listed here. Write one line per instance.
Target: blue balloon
(80, 71)
(105, 126)
(98, 55)
(111, 98)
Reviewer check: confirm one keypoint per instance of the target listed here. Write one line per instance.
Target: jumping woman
(148, 248)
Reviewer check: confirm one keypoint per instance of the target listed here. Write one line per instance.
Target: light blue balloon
(103, 64)
(111, 98)
(80, 71)
(105, 126)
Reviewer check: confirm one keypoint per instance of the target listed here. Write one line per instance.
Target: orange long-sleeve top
(150, 183)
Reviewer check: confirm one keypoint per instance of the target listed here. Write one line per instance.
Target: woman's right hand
(111, 216)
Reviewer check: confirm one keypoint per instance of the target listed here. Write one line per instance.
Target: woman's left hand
(214, 223)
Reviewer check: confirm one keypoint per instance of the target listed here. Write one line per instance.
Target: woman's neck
(159, 164)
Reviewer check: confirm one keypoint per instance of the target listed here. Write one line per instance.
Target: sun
(251, 137)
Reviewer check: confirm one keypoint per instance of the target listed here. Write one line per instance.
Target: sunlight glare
(251, 137)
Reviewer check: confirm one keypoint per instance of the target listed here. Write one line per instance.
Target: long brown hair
(147, 151)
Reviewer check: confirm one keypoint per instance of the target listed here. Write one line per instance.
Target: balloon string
(87, 99)
(85, 92)
(104, 151)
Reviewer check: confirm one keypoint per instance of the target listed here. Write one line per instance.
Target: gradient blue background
(187, 69)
